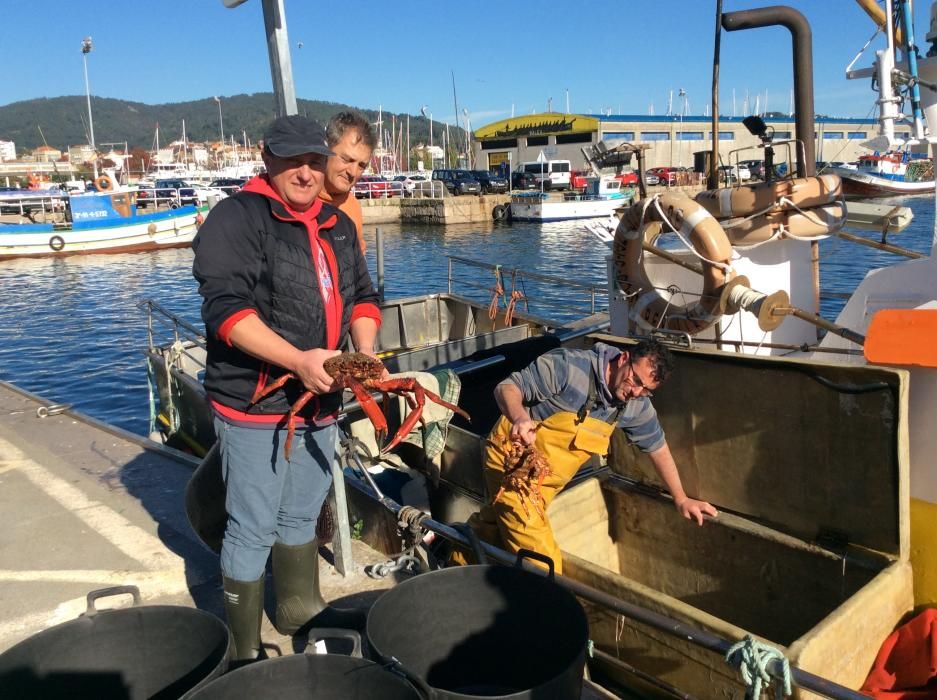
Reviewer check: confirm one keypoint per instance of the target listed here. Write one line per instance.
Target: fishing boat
(103, 222)
(886, 175)
(811, 436)
(602, 196)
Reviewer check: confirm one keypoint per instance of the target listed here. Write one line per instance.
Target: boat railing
(513, 279)
(183, 333)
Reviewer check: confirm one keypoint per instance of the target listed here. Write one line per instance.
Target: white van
(555, 173)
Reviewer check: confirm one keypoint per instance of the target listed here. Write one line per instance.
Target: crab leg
(273, 386)
(370, 408)
(415, 414)
(291, 421)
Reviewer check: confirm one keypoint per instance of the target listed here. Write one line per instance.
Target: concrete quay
(86, 506)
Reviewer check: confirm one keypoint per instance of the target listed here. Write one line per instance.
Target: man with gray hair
(352, 141)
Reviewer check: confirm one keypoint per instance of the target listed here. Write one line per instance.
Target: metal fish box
(808, 464)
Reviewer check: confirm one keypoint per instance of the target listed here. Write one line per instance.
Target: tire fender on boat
(764, 197)
(104, 184)
(644, 223)
(56, 243)
(499, 212)
(809, 224)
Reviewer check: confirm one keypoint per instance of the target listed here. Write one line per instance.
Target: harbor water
(72, 329)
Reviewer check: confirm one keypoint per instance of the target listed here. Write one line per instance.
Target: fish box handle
(529, 554)
(91, 610)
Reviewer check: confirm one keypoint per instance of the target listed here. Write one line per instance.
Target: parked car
(521, 180)
(229, 185)
(171, 192)
(490, 182)
(372, 187)
(743, 172)
(458, 181)
(409, 183)
(727, 175)
(651, 178)
(628, 178)
(756, 168)
(206, 192)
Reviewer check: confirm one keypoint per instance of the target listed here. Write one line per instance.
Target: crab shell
(355, 365)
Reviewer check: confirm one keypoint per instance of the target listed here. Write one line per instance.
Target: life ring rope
(691, 222)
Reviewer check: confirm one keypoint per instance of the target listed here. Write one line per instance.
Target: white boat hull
(545, 210)
(171, 229)
(860, 184)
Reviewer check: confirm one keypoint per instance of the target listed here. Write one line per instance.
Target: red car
(372, 187)
(629, 179)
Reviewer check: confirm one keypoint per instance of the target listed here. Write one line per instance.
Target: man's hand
(691, 509)
(525, 430)
(308, 368)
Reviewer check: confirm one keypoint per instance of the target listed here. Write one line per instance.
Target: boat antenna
(712, 179)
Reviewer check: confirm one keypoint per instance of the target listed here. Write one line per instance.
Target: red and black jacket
(253, 255)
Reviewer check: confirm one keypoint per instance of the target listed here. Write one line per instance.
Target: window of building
(573, 138)
(782, 135)
(689, 136)
(618, 136)
(723, 136)
(857, 135)
(655, 135)
(499, 143)
(537, 140)
(832, 134)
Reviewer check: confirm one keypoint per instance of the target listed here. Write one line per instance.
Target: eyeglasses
(637, 382)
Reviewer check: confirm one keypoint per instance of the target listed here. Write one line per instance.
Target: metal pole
(281, 66)
(379, 254)
(85, 50)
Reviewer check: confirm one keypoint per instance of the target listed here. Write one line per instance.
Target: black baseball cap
(295, 135)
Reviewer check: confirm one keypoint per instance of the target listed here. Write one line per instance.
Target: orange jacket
(349, 204)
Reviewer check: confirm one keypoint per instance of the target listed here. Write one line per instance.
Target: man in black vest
(283, 282)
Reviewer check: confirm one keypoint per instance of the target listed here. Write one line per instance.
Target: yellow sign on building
(538, 125)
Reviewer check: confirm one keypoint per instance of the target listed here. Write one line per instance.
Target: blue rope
(751, 658)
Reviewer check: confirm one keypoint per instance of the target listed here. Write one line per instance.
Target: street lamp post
(220, 127)
(85, 50)
(681, 93)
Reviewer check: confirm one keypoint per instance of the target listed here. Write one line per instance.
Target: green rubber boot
(299, 602)
(244, 607)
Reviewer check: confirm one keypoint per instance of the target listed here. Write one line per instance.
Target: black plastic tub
(483, 631)
(146, 652)
(309, 677)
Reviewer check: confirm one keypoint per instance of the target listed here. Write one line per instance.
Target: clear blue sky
(623, 56)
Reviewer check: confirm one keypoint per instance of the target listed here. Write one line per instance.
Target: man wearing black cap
(283, 282)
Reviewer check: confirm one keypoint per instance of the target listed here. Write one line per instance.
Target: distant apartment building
(82, 153)
(46, 154)
(7, 150)
(670, 140)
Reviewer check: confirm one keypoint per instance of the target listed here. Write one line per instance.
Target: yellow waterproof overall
(567, 440)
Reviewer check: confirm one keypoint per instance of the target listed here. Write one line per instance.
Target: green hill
(63, 120)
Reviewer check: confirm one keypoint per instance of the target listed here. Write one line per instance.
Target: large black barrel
(148, 652)
(308, 677)
(483, 631)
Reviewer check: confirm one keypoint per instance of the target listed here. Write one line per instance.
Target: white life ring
(641, 223)
(808, 224)
(104, 184)
(803, 193)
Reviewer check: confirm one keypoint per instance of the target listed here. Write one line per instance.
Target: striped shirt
(559, 381)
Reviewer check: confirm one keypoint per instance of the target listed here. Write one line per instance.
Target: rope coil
(751, 658)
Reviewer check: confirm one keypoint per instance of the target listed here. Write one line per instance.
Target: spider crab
(362, 374)
(525, 468)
